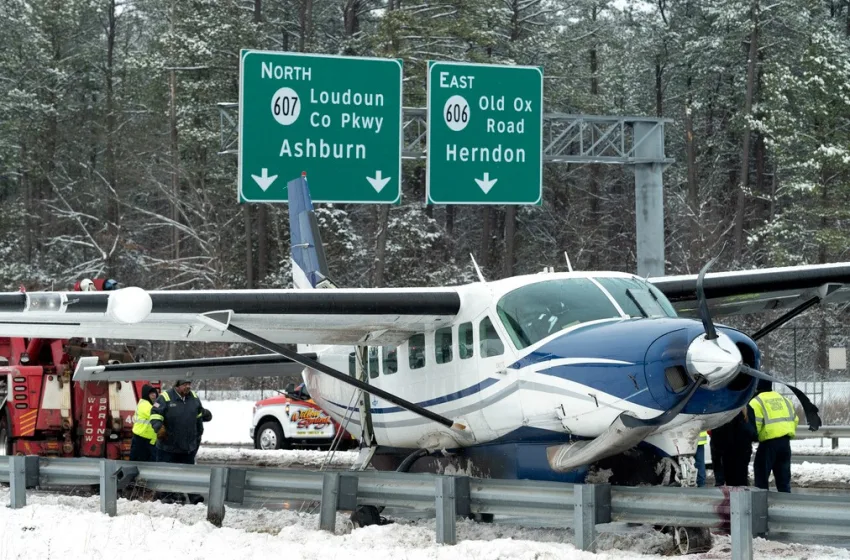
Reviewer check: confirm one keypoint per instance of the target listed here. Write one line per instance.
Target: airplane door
(503, 408)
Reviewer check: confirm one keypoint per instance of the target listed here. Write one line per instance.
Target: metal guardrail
(825, 432)
(744, 511)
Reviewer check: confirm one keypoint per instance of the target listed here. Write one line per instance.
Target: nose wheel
(692, 540)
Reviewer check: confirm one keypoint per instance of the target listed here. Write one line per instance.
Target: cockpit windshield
(533, 312)
(637, 297)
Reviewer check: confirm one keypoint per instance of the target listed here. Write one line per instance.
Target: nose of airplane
(718, 360)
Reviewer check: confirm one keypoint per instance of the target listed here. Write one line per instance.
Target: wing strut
(772, 326)
(339, 376)
(820, 295)
(367, 434)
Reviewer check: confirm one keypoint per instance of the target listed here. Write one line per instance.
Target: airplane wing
(756, 291)
(344, 316)
(263, 365)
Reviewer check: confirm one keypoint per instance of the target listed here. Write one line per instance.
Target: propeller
(630, 421)
(710, 331)
(699, 380)
(811, 411)
(809, 408)
(714, 362)
(712, 359)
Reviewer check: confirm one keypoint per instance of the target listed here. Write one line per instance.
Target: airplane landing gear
(682, 470)
(365, 516)
(692, 540)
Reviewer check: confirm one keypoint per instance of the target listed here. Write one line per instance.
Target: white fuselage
(474, 384)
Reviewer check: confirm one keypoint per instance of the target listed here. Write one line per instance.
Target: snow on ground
(820, 446)
(280, 458)
(819, 475)
(54, 527)
(231, 422)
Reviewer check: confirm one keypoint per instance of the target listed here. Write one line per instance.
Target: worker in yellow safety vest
(699, 458)
(143, 446)
(775, 421)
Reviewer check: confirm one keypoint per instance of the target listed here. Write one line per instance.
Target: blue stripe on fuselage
(471, 390)
(624, 381)
(629, 340)
(625, 340)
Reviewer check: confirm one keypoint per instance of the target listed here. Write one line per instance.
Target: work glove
(162, 434)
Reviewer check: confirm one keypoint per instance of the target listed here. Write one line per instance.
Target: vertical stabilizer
(309, 267)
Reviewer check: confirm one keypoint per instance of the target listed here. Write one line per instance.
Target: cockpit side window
(533, 312)
(489, 341)
(662, 300)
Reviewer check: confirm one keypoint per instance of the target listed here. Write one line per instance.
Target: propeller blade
(630, 421)
(812, 416)
(710, 332)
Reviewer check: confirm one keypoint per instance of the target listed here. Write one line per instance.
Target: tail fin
(309, 267)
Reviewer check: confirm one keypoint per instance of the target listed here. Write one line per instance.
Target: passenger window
(465, 344)
(373, 362)
(352, 364)
(491, 344)
(390, 359)
(416, 355)
(443, 345)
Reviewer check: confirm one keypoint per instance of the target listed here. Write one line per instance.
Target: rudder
(309, 266)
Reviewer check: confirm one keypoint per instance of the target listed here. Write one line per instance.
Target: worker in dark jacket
(206, 416)
(177, 419)
(143, 445)
(774, 420)
(731, 449)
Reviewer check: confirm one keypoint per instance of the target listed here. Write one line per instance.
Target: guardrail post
(759, 497)
(592, 506)
(236, 486)
(346, 498)
(741, 506)
(327, 510)
(22, 471)
(218, 488)
(462, 499)
(446, 500)
(835, 443)
(108, 487)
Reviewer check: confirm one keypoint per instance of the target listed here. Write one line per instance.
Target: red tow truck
(42, 412)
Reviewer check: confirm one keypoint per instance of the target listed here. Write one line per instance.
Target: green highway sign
(336, 118)
(485, 134)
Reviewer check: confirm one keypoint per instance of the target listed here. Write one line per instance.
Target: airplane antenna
(569, 264)
(477, 270)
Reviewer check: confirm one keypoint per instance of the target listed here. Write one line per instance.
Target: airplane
(550, 376)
